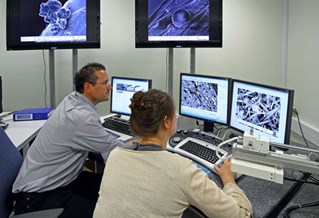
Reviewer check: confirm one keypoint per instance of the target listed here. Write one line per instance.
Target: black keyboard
(200, 151)
(117, 125)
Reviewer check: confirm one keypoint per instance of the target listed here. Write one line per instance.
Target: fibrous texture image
(258, 108)
(201, 95)
(179, 18)
(64, 20)
(126, 87)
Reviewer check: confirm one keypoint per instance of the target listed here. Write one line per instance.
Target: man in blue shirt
(52, 166)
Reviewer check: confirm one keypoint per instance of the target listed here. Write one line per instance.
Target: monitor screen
(170, 23)
(53, 24)
(204, 97)
(123, 90)
(265, 109)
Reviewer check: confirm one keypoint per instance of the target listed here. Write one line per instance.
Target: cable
(299, 180)
(304, 138)
(223, 143)
(220, 130)
(314, 179)
(298, 206)
(44, 79)
(225, 134)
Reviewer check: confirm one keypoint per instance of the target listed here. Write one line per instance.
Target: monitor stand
(208, 126)
(120, 117)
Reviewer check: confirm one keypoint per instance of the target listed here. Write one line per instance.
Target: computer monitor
(204, 97)
(123, 90)
(265, 109)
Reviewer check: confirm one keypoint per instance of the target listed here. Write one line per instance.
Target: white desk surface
(22, 132)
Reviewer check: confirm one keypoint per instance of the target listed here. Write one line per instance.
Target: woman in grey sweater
(145, 180)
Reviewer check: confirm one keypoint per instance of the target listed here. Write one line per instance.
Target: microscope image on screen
(178, 18)
(199, 95)
(259, 109)
(121, 87)
(63, 20)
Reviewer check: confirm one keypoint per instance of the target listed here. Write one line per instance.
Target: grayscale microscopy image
(259, 109)
(126, 87)
(201, 95)
(64, 20)
(178, 18)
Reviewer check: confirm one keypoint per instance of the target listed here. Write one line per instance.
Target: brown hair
(149, 110)
(87, 74)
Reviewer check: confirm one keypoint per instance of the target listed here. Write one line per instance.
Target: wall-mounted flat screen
(53, 24)
(171, 23)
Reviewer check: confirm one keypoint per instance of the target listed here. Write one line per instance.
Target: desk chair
(10, 163)
(95, 163)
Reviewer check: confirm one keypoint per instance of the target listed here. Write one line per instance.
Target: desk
(23, 132)
(262, 194)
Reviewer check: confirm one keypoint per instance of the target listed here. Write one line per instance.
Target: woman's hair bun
(136, 100)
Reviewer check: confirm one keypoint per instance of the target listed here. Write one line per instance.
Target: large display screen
(53, 24)
(171, 23)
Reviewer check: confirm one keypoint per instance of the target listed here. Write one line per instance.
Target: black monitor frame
(124, 88)
(268, 89)
(214, 27)
(207, 119)
(24, 20)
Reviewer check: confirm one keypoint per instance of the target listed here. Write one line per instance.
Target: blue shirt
(59, 151)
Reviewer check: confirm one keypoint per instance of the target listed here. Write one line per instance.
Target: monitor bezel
(228, 79)
(215, 33)
(275, 88)
(93, 26)
(149, 81)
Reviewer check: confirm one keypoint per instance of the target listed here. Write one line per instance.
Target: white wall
(252, 50)
(303, 63)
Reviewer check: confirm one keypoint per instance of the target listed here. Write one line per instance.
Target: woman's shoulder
(177, 159)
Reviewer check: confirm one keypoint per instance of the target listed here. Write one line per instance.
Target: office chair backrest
(10, 163)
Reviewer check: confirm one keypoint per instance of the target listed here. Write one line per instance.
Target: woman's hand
(225, 173)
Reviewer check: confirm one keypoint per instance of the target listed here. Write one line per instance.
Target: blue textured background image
(76, 23)
(161, 22)
(153, 5)
(32, 24)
